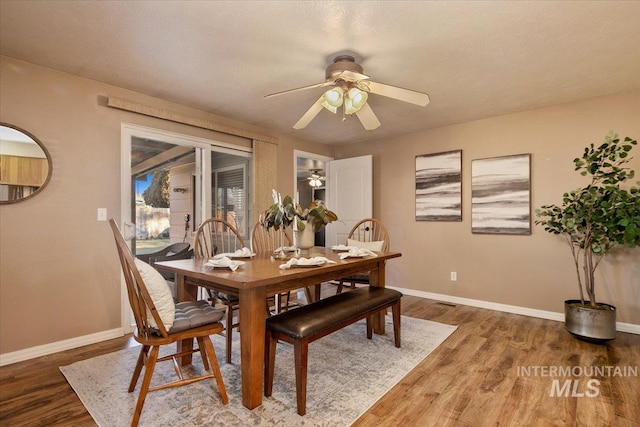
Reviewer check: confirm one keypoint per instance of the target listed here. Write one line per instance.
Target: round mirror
(25, 164)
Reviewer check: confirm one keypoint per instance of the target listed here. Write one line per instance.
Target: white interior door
(350, 195)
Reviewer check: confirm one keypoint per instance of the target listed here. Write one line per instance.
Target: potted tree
(594, 219)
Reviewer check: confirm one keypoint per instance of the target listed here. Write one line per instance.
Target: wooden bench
(301, 326)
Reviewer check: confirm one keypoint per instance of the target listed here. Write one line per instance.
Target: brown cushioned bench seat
(308, 323)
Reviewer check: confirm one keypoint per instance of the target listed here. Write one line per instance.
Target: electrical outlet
(454, 276)
(102, 214)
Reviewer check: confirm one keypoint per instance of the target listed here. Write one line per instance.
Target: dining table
(257, 278)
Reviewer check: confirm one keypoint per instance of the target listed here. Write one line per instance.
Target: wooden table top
(263, 270)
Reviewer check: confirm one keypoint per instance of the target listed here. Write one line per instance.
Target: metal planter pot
(588, 323)
(305, 239)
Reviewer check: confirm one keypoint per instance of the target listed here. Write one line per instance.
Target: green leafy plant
(157, 194)
(599, 216)
(316, 215)
(283, 212)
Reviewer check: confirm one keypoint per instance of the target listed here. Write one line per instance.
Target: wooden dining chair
(267, 240)
(188, 320)
(368, 233)
(216, 236)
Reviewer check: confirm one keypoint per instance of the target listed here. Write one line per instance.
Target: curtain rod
(135, 107)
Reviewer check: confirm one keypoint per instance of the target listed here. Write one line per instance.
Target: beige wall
(529, 271)
(59, 272)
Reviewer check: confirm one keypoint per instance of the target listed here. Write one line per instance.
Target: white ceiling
(475, 59)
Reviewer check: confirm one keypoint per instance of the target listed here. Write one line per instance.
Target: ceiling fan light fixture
(315, 182)
(334, 96)
(329, 107)
(348, 106)
(358, 97)
(354, 100)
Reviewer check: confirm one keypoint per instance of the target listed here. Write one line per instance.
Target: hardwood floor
(490, 372)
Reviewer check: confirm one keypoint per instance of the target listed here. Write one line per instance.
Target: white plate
(241, 256)
(232, 256)
(307, 265)
(286, 249)
(341, 248)
(309, 262)
(215, 264)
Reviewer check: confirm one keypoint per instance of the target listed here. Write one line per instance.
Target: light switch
(102, 214)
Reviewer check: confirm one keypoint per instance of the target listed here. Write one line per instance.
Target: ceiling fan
(350, 89)
(315, 179)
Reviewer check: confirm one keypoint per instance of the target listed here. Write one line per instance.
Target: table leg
(308, 295)
(185, 292)
(377, 278)
(252, 341)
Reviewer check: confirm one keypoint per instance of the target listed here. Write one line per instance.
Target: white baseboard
(43, 350)
(532, 312)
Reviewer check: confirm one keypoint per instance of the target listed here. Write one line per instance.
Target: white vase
(305, 239)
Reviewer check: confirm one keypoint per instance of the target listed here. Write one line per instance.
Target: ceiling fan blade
(406, 95)
(310, 114)
(325, 83)
(351, 76)
(368, 118)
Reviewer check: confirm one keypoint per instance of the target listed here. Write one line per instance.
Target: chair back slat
(216, 236)
(370, 230)
(267, 240)
(139, 298)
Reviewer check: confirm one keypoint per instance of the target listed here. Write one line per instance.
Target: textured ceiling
(475, 59)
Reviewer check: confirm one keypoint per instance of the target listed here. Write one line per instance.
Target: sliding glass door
(171, 183)
(229, 187)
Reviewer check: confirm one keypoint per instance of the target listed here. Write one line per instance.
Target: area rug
(347, 374)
